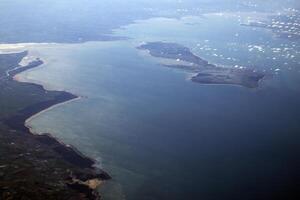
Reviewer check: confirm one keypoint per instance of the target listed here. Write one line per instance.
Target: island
(38, 166)
(180, 57)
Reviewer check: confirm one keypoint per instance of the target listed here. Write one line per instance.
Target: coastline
(45, 110)
(88, 177)
(202, 71)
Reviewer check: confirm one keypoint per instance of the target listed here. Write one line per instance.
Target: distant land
(37, 166)
(60, 21)
(205, 73)
(286, 25)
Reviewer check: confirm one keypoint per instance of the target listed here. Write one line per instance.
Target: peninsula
(182, 58)
(37, 166)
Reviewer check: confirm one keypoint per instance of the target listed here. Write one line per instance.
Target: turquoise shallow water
(161, 136)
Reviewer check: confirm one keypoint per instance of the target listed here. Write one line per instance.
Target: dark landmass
(172, 51)
(205, 73)
(31, 65)
(37, 166)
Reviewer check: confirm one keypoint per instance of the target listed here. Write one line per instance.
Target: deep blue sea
(161, 136)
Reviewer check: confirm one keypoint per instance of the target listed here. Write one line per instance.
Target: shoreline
(45, 110)
(203, 71)
(67, 152)
(67, 98)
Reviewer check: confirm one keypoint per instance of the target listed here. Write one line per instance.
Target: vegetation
(36, 167)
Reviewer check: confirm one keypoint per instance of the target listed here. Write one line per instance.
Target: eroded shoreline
(86, 179)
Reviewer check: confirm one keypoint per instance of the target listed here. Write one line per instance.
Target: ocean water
(161, 136)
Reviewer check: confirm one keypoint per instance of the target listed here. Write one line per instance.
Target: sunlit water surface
(161, 136)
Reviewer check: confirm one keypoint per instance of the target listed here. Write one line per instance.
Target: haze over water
(161, 136)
